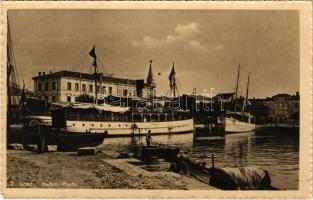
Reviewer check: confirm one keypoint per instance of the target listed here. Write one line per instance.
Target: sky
(206, 45)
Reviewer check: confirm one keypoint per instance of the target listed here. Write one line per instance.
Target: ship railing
(98, 118)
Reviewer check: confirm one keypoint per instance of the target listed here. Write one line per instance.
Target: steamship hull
(118, 129)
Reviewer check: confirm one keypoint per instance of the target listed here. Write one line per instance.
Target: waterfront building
(283, 108)
(66, 86)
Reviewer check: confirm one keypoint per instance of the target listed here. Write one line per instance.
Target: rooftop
(225, 95)
(281, 95)
(85, 76)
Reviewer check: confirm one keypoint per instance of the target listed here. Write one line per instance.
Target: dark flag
(172, 77)
(95, 63)
(92, 52)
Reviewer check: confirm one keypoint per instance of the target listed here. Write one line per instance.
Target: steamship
(86, 119)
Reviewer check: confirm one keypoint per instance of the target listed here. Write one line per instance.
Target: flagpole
(174, 82)
(80, 84)
(92, 53)
(237, 85)
(95, 81)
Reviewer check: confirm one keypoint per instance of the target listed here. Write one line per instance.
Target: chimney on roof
(297, 94)
(39, 73)
(43, 73)
(50, 72)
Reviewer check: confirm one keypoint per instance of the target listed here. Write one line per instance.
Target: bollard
(41, 142)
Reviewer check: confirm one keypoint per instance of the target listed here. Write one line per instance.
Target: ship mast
(247, 93)
(9, 65)
(12, 77)
(172, 79)
(237, 85)
(92, 53)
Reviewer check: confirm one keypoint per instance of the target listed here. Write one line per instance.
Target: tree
(260, 111)
(295, 117)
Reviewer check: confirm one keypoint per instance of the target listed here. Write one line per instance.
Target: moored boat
(105, 119)
(89, 119)
(239, 121)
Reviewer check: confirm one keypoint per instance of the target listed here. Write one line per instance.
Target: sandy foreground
(27, 169)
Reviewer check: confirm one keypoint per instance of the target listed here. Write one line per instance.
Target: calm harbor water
(279, 154)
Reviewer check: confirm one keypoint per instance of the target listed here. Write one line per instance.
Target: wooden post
(41, 142)
(212, 160)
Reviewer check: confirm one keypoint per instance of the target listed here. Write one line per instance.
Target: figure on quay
(148, 138)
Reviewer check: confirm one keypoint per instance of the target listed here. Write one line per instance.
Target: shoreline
(26, 169)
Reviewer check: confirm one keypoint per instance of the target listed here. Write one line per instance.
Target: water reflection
(237, 149)
(279, 154)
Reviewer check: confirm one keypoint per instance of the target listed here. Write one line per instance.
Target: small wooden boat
(246, 178)
(159, 150)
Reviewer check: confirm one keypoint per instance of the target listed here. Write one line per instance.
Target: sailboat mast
(9, 68)
(247, 93)
(237, 85)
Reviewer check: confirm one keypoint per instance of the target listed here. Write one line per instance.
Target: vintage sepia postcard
(156, 100)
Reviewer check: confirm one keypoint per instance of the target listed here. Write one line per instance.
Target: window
(39, 86)
(69, 86)
(53, 86)
(90, 88)
(104, 90)
(97, 88)
(53, 98)
(76, 87)
(84, 87)
(47, 86)
(110, 90)
(68, 99)
(124, 92)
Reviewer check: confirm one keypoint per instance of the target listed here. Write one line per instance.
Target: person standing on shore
(148, 138)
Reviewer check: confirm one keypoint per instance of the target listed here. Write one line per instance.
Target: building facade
(66, 86)
(283, 108)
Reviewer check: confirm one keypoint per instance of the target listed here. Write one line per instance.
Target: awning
(100, 108)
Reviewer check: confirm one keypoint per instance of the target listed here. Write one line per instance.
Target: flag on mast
(172, 77)
(92, 52)
(95, 63)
